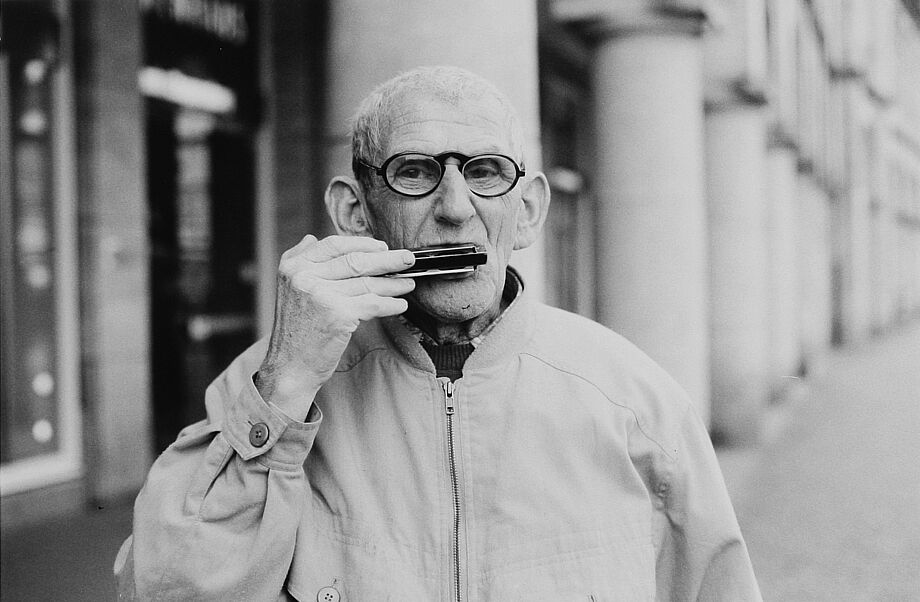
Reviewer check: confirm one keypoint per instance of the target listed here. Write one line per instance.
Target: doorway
(201, 191)
(200, 87)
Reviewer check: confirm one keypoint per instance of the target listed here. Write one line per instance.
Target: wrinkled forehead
(468, 121)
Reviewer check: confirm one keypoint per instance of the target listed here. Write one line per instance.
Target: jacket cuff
(256, 428)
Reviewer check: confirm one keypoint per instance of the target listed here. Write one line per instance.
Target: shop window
(39, 413)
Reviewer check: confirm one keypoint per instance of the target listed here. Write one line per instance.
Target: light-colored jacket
(564, 465)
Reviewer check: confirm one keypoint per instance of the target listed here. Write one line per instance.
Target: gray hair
(448, 84)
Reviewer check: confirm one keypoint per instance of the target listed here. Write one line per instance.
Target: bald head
(450, 85)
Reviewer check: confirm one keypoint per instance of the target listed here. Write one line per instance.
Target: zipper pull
(448, 386)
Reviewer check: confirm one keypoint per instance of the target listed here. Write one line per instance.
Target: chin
(455, 300)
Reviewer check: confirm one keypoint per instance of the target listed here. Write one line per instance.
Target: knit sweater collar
(500, 339)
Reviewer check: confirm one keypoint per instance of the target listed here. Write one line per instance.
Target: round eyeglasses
(416, 174)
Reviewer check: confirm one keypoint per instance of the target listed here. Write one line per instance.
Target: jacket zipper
(449, 409)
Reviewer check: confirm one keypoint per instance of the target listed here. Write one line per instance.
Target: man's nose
(453, 203)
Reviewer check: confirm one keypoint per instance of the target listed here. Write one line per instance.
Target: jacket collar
(501, 339)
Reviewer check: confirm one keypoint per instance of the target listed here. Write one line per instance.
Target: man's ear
(345, 206)
(535, 205)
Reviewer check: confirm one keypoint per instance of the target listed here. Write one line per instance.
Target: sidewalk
(68, 559)
(830, 503)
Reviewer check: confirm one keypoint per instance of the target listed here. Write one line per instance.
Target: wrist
(292, 393)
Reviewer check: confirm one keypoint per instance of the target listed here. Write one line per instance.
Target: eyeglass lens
(486, 175)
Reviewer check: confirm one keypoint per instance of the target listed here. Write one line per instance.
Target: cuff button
(258, 434)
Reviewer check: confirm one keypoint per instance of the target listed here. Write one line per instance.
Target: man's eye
(482, 171)
(409, 172)
(414, 171)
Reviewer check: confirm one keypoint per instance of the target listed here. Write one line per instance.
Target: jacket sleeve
(218, 515)
(701, 553)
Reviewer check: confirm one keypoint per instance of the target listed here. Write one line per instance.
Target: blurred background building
(736, 188)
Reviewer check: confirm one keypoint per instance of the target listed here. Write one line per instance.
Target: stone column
(113, 207)
(651, 210)
(852, 219)
(877, 234)
(784, 352)
(738, 272)
(370, 42)
(735, 65)
(814, 249)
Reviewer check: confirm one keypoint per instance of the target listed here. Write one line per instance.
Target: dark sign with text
(211, 40)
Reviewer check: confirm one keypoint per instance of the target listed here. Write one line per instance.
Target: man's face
(451, 213)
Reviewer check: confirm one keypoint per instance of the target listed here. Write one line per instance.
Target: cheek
(390, 223)
(502, 234)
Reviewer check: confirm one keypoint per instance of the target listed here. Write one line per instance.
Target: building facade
(736, 188)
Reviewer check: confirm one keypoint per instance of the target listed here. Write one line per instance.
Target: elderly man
(437, 438)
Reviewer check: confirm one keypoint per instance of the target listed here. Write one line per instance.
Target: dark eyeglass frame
(441, 160)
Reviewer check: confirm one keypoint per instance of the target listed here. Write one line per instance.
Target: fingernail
(408, 258)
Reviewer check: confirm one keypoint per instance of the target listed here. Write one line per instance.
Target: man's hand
(325, 289)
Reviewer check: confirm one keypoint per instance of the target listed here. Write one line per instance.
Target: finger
(356, 265)
(384, 287)
(305, 242)
(336, 246)
(368, 307)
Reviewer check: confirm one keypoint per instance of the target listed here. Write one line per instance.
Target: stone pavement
(830, 503)
(67, 559)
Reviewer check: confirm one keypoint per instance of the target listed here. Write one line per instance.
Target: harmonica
(444, 259)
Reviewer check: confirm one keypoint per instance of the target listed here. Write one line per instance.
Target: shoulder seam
(612, 401)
